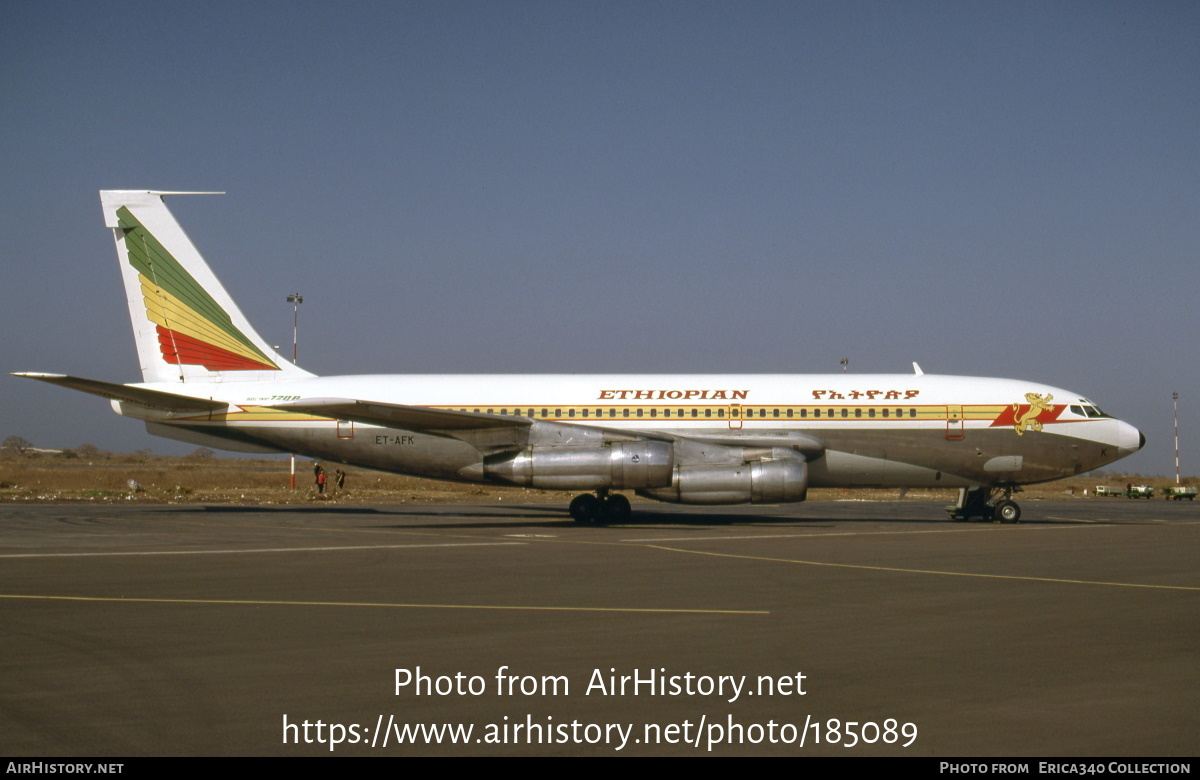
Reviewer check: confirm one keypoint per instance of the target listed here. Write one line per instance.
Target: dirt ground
(118, 477)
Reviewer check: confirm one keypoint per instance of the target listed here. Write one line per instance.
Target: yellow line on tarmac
(259, 603)
(341, 548)
(925, 571)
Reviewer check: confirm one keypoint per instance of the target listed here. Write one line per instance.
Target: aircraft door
(954, 423)
(735, 417)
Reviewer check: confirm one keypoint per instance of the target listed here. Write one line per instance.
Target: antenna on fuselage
(917, 369)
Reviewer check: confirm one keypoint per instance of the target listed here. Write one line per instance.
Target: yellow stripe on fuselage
(258, 414)
(745, 413)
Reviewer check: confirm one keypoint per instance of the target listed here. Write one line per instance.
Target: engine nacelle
(623, 465)
(758, 482)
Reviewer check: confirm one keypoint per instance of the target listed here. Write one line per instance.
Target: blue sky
(1005, 189)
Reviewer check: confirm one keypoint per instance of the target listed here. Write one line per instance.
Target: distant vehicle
(1180, 493)
(1102, 490)
(210, 379)
(1141, 491)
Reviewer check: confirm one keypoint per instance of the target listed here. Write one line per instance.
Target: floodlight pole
(295, 299)
(1175, 405)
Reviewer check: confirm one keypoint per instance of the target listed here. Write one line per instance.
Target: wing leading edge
(498, 430)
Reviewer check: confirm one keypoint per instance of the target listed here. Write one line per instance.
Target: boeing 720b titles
(210, 379)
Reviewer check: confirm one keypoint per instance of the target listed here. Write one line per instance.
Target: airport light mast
(295, 299)
(1175, 405)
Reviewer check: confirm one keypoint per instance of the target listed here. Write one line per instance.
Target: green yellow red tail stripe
(193, 329)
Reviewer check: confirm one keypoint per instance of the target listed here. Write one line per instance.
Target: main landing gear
(979, 503)
(600, 508)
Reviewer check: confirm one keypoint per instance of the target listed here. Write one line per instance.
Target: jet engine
(616, 466)
(777, 481)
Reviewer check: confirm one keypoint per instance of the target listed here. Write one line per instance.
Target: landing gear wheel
(1007, 511)
(585, 508)
(615, 508)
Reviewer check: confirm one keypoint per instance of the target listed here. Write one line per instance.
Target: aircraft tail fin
(187, 327)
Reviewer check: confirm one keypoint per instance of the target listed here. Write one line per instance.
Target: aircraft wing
(155, 399)
(498, 431)
(411, 418)
(809, 446)
(486, 431)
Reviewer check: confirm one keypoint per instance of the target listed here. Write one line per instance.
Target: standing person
(339, 479)
(319, 475)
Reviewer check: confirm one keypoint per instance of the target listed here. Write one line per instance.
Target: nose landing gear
(1007, 511)
(979, 503)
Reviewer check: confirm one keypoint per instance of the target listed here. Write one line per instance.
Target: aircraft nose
(1129, 439)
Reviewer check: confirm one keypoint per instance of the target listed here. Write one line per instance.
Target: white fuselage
(889, 430)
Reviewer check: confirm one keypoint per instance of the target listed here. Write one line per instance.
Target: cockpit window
(1089, 409)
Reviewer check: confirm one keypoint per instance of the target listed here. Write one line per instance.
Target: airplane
(210, 379)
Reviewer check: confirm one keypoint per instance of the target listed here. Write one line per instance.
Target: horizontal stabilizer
(155, 399)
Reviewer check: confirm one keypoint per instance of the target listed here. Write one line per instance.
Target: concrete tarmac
(193, 630)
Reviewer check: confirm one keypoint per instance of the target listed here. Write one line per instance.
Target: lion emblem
(1028, 420)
